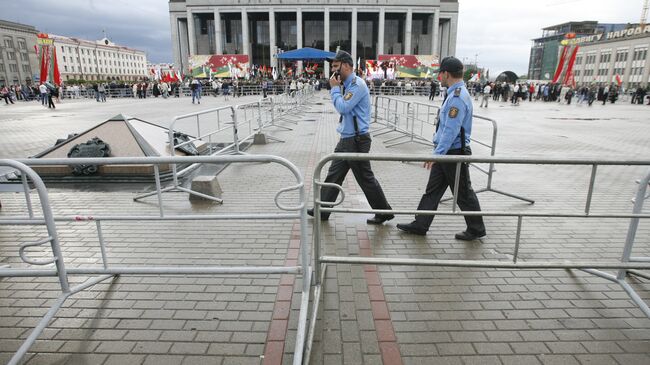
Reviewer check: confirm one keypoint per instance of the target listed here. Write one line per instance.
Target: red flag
(560, 65)
(45, 63)
(618, 80)
(569, 69)
(57, 74)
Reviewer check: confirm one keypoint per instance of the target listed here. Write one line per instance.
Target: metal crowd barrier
(624, 265)
(127, 92)
(393, 114)
(107, 271)
(219, 122)
(252, 118)
(395, 90)
(414, 121)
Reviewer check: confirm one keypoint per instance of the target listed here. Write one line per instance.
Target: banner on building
(49, 67)
(410, 66)
(226, 65)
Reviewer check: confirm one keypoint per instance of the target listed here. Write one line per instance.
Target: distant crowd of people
(550, 92)
(50, 94)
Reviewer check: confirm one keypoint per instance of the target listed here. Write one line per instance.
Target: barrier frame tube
(623, 265)
(106, 271)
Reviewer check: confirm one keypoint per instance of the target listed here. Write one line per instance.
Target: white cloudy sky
(499, 31)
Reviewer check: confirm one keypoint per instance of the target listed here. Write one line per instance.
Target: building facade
(545, 50)
(80, 59)
(18, 60)
(603, 57)
(262, 28)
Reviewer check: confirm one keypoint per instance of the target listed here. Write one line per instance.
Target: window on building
(9, 43)
(26, 69)
(13, 68)
(22, 44)
(11, 55)
(604, 57)
(65, 68)
(2, 67)
(24, 57)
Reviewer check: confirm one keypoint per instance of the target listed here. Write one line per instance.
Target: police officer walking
(351, 99)
(452, 137)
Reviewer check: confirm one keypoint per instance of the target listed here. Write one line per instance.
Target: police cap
(451, 64)
(343, 57)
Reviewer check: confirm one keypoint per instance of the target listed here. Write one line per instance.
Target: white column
(299, 35)
(176, 39)
(444, 49)
(190, 32)
(382, 25)
(326, 38)
(244, 30)
(435, 33)
(183, 45)
(407, 32)
(353, 42)
(453, 31)
(272, 44)
(217, 32)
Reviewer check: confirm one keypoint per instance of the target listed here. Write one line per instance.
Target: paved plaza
(369, 315)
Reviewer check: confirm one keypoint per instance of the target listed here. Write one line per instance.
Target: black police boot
(323, 216)
(469, 236)
(380, 218)
(413, 228)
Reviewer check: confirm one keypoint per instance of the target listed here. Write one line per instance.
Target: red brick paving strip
(390, 354)
(275, 338)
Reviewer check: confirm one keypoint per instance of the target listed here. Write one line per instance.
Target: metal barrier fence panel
(107, 271)
(420, 125)
(627, 264)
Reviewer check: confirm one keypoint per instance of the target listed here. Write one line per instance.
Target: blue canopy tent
(306, 54)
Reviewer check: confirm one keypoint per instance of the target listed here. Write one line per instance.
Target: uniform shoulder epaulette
(354, 80)
(457, 92)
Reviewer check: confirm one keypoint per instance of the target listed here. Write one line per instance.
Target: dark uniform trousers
(442, 176)
(361, 170)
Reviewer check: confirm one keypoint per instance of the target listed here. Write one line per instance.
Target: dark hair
(457, 74)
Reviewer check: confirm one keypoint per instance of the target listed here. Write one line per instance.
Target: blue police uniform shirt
(354, 102)
(456, 112)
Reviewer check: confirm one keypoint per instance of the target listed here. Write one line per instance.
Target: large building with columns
(262, 28)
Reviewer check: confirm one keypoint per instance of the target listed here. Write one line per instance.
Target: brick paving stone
(439, 315)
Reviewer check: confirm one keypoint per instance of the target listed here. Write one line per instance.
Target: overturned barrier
(107, 270)
(220, 123)
(623, 266)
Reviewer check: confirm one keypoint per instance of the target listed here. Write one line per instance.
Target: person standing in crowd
(486, 94)
(4, 93)
(568, 96)
(434, 87)
(195, 87)
(351, 99)
(42, 89)
(51, 92)
(452, 137)
(101, 89)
